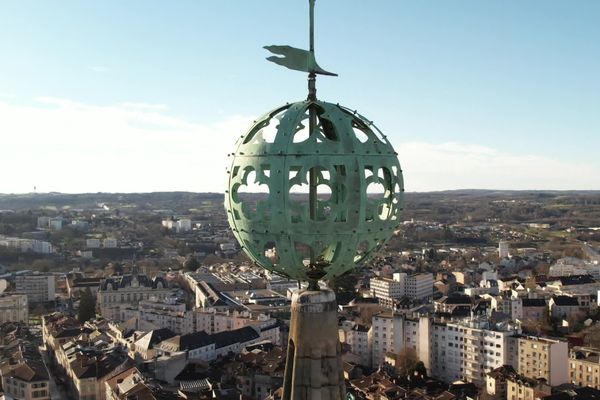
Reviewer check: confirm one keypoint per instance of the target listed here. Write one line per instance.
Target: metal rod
(313, 175)
(312, 125)
(312, 77)
(312, 25)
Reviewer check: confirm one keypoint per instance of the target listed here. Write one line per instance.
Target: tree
(43, 265)
(406, 361)
(191, 263)
(344, 287)
(418, 372)
(87, 306)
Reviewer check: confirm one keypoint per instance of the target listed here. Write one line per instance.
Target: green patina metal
(330, 187)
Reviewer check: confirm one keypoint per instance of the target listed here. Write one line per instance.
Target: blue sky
(495, 94)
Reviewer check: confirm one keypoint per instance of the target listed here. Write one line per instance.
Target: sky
(140, 96)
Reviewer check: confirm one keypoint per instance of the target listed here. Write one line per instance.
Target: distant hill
(142, 201)
(566, 207)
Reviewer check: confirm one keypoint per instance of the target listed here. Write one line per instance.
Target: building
(394, 333)
(131, 384)
(212, 321)
(386, 291)
(27, 245)
(109, 243)
(495, 381)
(582, 393)
(584, 367)
(26, 377)
(57, 329)
(88, 366)
(414, 287)
(205, 347)
(183, 225)
(260, 372)
(78, 285)
(511, 306)
(144, 346)
(469, 348)
(38, 287)
(519, 387)
(565, 307)
(454, 304)
(55, 224)
(14, 308)
(356, 336)
(129, 289)
(537, 357)
(92, 243)
(168, 313)
(503, 250)
(574, 266)
(418, 286)
(534, 310)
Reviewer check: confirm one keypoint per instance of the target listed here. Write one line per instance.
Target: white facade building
(468, 349)
(38, 287)
(386, 290)
(503, 250)
(55, 224)
(415, 287)
(463, 349)
(392, 332)
(356, 336)
(14, 308)
(109, 243)
(92, 243)
(419, 286)
(183, 225)
(27, 245)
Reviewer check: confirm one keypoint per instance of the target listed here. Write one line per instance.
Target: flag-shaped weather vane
(299, 59)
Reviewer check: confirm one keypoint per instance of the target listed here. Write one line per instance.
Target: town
(479, 295)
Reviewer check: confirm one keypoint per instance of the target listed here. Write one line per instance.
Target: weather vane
(334, 193)
(301, 60)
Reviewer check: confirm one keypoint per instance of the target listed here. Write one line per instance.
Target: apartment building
(511, 306)
(537, 357)
(356, 336)
(519, 387)
(468, 349)
(167, 313)
(386, 291)
(38, 287)
(419, 286)
(393, 332)
(414, 287)
(584, 367)
(14, 308)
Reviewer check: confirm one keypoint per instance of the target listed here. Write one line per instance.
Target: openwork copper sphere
(358, 183)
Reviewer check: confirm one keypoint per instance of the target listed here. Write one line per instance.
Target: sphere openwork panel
(356, 178)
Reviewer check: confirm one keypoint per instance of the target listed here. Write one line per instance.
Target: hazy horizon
(223, 193)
